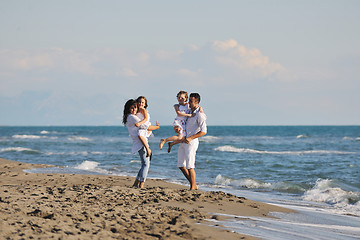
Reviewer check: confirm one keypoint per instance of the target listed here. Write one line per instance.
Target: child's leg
(169, 139)
(146, 145)
(152, 128)
(178, 137)
(171, 144)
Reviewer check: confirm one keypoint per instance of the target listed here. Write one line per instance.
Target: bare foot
(136, 183)
(162, 142)
(170, 146)
(194, 187)
(141, 184)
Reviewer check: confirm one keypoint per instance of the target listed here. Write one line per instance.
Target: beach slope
(69, 206)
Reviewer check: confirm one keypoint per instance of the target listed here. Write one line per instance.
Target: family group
(189, 126)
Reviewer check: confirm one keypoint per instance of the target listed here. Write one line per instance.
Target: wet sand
(74, 206)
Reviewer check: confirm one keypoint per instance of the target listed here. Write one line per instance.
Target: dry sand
(69, 206)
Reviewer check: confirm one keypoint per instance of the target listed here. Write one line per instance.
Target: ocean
(314, 170)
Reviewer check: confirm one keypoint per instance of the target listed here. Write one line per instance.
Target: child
(145, 127)
(183, 111)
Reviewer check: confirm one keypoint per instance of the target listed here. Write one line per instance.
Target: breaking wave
(342, 201)
(229, 148)
(77, 138)
(26, 136)
(19, 149)
(257, 184)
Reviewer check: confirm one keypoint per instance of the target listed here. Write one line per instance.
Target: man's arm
(197, 135)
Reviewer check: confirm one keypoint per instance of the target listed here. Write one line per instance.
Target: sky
(257, 62)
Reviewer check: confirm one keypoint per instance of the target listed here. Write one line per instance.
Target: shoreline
(76, 206)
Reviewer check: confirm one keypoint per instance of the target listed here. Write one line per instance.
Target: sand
(69, 206)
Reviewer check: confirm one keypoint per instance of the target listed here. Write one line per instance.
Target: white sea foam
(257, 184)
(44, 132)
(301, 136)
(351, 138)
(26, 136)
(91, 166)
(87, 165)
(82, 153)
(326, 191)
(246, 182)
(135, 161)
(18, 149)
(265, 137)
(229, 148)
(79, 138)
(209, 138)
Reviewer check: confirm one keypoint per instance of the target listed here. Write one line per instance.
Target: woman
(140, 144)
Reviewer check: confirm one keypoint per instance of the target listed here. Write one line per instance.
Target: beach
(312, 170)
(76, 206)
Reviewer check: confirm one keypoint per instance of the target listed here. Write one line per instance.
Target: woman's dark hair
(127, 107)
(142, 97)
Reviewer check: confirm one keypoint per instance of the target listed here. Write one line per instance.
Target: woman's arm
(179, 113)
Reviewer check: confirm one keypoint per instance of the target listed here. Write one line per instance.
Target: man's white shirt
(196, 124)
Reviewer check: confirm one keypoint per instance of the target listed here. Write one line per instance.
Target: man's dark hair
(196, 96)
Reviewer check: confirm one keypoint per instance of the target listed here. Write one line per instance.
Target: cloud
(248, 63)
(67, 86)
(127, 72)
(168, 55)
(189, 73)
(226, 58)
(220, 66)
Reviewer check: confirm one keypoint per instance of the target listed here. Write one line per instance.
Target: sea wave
(229, 148)
(301, 136)
(19, 149)
(209, 139)
(81, 153)
(24, 136)
(329, 192)
(91, 166)
(246, 182)
(351, 138)
(257, 184)
(86, 167)
(79, 138)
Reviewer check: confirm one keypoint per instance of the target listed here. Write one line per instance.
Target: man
(195, 128)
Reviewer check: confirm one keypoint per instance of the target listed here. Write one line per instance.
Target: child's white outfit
(143, 128)
(180, 121)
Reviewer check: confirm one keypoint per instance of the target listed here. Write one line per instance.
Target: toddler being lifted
(183, 112)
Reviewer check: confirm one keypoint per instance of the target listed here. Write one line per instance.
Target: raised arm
(179, 113)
